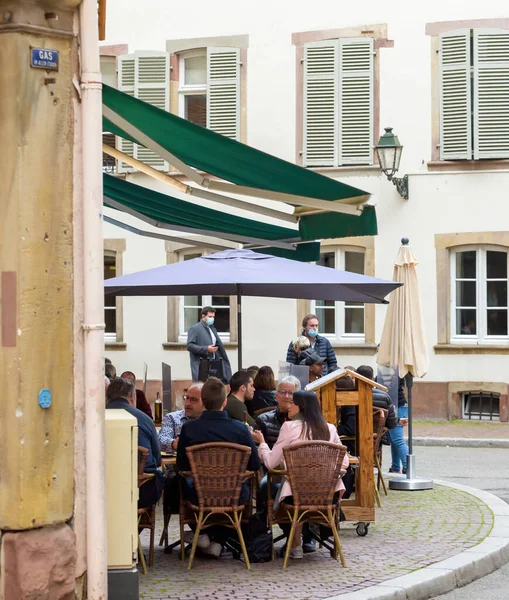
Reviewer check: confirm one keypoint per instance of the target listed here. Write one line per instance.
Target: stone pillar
(37, 330)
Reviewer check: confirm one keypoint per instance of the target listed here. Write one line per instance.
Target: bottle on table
(158, 410)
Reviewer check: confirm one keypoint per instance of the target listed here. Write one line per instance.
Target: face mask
(313, 332)
(210, 321)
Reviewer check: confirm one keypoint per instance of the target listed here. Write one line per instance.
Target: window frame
(340, 337)
(436, 163)
(481, 337)
(189, 90)
(116, 247)
(207, 301)
(379, 34)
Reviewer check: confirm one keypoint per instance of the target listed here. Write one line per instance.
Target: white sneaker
(213, 549)
(203, 539)
(297, 552)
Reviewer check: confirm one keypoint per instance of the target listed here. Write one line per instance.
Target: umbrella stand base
(411, 483)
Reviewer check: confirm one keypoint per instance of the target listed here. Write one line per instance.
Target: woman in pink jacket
(306, 423)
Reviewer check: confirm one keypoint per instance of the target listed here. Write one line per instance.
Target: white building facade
(316, 85)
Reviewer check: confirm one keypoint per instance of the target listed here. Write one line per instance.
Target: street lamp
(389, 152)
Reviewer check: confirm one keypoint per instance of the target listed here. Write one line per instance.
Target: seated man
(122, 394)
(381, 399)
(172, 422)
(214, 426)
(141, 400)
(315, 363)
(169, 438)
(241, 389)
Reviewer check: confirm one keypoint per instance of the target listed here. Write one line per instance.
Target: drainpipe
(93, 326)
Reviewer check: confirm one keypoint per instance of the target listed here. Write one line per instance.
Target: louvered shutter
(491, 93)
(455, 96)
(356, 74)
(152, 85)
(223, 91)
(126, 80)
(321, 104)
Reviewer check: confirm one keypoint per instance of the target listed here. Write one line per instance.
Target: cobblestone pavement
(461, 429)
(412, 530)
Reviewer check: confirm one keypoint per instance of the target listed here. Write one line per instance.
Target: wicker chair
(146, 516)
(218, 470)
(379, 419)
(313, 469)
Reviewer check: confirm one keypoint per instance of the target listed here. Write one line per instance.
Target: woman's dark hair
(315, 426)
(264, 379)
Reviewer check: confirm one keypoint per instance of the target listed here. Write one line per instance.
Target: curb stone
(462, 442)
(457, 571)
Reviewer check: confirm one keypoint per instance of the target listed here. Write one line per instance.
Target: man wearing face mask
(203, 341)
(318, 344)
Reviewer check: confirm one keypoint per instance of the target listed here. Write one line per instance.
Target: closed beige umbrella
(403, 346)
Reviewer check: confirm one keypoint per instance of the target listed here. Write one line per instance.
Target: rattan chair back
(379, 419)
(218, 470)
(142, 463)
(313, 469)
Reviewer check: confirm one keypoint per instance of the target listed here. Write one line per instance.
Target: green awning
(326, 225)
(218, 155)
(172, 211)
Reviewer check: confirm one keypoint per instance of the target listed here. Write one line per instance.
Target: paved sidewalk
(412, 531)
(461, 429)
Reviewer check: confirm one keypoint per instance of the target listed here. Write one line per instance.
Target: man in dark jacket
(381, 399)
(319, 344)
(271, 422)
(203, 341)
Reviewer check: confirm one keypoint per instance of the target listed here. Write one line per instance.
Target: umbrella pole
(411, 482)
(239, 329)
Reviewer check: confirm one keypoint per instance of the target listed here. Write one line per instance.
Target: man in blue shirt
(122, 394)
(318, 344)
(214, 426)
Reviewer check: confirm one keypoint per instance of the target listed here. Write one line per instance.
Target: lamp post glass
(389, 152)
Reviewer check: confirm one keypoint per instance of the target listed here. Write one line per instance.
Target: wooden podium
(360, 509)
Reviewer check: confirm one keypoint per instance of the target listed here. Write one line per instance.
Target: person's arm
(332, 361)
(291, 356)
(347, 425)
(273, 458)
(335, 440)
(193, 346)
(254, 460)
(167, 433)
(156, 448)
(392, 419)
(182, 460)
(142, 404)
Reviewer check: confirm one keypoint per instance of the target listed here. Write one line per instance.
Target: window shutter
(223, 91)
(491, 93)
(321, 104)
(152, 85)
(356, 101)
(455, 97)
(125, 84)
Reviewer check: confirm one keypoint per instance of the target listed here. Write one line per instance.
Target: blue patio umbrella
(248, 273)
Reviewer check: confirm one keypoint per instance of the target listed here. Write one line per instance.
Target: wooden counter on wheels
(361, 508)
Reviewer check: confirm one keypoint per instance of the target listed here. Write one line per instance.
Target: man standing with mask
(319, 345)
(203, 341)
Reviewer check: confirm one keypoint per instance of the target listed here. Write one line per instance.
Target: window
(144, 75)
(481, 405)
(343, 321)
(479, 301)
(110, 302)
(474, 94)
(191, 306)
(338, 102)
(209, 89)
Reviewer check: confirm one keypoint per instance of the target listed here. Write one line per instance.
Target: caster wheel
(362, 529)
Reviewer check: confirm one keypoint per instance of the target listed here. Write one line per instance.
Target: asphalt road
(482, 468)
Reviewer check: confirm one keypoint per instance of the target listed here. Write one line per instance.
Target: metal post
(239, 329)
(411, 482)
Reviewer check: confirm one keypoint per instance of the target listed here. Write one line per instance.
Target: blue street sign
(42, 58)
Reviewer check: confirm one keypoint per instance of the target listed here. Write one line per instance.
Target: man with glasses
(271, 422)
(172, 422)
